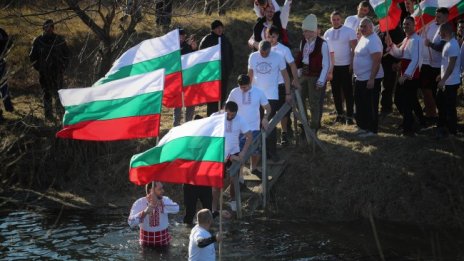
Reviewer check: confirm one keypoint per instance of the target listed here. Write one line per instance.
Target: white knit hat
(310, 23)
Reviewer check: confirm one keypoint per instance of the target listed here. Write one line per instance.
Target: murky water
(84, 235)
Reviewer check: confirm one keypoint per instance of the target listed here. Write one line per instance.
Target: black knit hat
(215, 24)
(49, 22)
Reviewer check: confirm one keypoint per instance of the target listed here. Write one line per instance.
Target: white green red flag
(121, 109)
(150, 55)
(192, 153)
(201, 76)
(425, 11)
(388, 12)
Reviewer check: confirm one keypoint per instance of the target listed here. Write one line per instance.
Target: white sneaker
(232, 205)
(359, 131)
(367, 134)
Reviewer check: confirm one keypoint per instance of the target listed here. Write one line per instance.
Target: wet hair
(443, 10)
(262, 2)
(204, 216)
(149, 186)
(410, 18)
(446, 28)
(264, 45)
(336, 13)
(197, 117)
(243, 79)
(273, 30)
(231, 106)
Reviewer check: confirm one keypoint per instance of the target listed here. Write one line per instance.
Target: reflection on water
(81, 235)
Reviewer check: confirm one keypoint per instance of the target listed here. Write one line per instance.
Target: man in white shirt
(448, 82)
(431, 63)
(313, 64)
(201, 242)
(410, 57)
(284, 51)
(249, 101)
(368, 71)
(342, 41)
(235, 125)
(264, 68)
(150, 213)
(354, 21)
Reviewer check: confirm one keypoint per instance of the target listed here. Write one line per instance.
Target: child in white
(201, 242)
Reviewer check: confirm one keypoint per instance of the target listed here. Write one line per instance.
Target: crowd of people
(369, 71)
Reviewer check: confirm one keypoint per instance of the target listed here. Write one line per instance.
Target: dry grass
(405, 179)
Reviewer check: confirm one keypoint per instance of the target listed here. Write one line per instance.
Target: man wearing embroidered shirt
(271, 17)
(264, 68)
(411, 59)
(448, 82)
(342, 41)
(313, 64)
(249, 101)
(354, 21)
(369, 73)
(284, 51)
(235, 126)
(432, 62)
(150, 213)
(201, 242)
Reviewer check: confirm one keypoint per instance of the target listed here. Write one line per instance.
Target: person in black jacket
(5, 43)
(50, 57)
(227, 60)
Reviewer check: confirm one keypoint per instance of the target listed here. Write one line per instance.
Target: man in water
(150, 213)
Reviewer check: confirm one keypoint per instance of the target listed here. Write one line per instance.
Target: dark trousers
(213, 107)
(407, 102)
(446, 102)
(50, 84)
(191, 194)
(428, 76)
(388, 85)
(271, 141)
(342, 89)
(367, 105)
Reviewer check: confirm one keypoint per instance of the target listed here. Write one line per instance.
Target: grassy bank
(417, 180)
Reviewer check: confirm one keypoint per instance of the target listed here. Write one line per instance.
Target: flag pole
(386, 13)
(220, 222)
(423, 28)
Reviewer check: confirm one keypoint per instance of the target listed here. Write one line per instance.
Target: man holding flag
(150, 213)
(432, 62)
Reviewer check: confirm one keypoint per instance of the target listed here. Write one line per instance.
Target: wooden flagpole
(220, 222)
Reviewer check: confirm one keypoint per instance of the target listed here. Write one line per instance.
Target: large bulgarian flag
(425, 11)
(192, 153)
(388, 12)
(148, 56)
(201, 76)
(125, 108)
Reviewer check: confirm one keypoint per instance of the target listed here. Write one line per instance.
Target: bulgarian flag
(148, 56)
(192, 153)
(126, 108)
(389, 13)
(425, 11)
(201, 76)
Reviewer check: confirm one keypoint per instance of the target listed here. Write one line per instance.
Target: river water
(85, 235)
